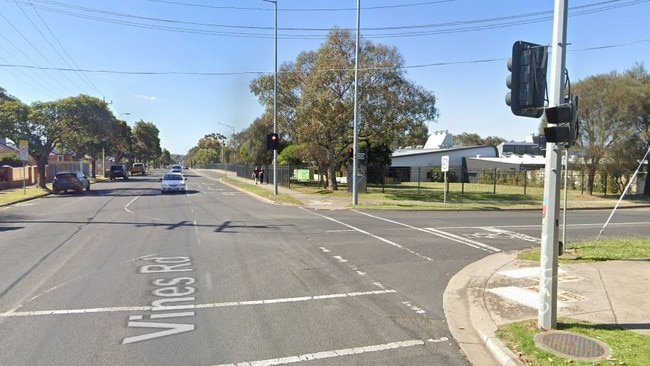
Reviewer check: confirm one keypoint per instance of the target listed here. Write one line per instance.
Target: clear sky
(186, 65)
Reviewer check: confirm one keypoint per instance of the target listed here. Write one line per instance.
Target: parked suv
(119, 171)
(70, 181)
(137, 168)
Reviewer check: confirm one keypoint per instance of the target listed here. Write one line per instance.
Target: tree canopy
(316, 100)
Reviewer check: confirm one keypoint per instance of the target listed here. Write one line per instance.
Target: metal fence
(430, 179)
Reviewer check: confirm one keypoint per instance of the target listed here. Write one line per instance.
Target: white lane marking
(339, 258)
(337, 353)
(371, 235)
(197, 306)
(465, 241)
(414, 308)
(325, 250)
(456, 238)
(126, 207)
(511, 234)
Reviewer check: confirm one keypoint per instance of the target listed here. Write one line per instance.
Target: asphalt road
(126, 276)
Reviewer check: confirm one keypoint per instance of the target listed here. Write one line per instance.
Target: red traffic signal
(350, 153)
(272, 141)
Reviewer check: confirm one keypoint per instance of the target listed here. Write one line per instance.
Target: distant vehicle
(70, 181)
(118, 171)
(176, 168)
(173, 182)
(138, 168)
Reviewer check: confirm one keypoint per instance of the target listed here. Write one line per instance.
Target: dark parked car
(70, 181)
(118, 171)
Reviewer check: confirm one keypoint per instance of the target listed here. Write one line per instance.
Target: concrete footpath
(501, 289)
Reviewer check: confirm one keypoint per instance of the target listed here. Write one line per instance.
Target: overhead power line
(211, 73)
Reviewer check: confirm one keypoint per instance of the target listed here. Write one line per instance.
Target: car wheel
(88, 188)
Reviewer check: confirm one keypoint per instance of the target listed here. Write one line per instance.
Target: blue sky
(186, 65)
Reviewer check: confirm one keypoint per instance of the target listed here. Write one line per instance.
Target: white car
(176, 169)
(173, 182)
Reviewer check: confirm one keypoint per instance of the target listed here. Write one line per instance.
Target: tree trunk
(93, 168)
(332, 169)
(41, 163)
(590, 180)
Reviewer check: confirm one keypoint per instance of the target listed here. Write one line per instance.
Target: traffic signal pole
(550, 245)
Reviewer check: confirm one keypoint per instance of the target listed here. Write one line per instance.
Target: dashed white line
(372, 235)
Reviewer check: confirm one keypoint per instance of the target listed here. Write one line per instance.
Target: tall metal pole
(275, 95)
(275, 91)
(231, 140)
(355, 193)
(547, 312)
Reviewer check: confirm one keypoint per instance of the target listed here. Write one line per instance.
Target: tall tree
(146, 141)
(89, 124)
(609, 125)
(38, 125)
(316, 99)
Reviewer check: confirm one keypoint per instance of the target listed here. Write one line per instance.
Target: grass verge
(262, 192)
(9, 196)
(628, 348)
(604, 250)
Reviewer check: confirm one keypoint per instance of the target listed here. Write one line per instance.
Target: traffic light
(272, 141)
(562, 121)
(350, 153)
(527, 79)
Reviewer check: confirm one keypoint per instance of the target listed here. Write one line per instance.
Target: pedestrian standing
(256, 173)
(261, 175)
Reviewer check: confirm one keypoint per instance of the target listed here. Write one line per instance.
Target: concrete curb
(476, 334)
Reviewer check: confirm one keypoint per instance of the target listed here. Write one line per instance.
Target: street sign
(23, 148)
(444, 164)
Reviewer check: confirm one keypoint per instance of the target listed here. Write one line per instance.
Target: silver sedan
(173, 182)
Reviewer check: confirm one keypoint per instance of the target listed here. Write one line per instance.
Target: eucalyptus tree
(89, 125)
(37, 124)
(640, 79)
(253, 148)
(146, 141)
(165, 158)
(316, 99)
(612, 123)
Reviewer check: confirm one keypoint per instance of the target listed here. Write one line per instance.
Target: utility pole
(550, 246)
(355, 148)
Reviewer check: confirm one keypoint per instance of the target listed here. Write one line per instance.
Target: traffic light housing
(562, 123)
(351, 153)
(272, 141)
(527, 79)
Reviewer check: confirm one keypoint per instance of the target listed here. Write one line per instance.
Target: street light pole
(231, 138)
(275, 91)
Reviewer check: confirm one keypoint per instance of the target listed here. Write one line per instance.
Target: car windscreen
(172, 177)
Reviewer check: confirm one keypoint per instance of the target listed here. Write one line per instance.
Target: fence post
(525, 181)
(419, 179)
(494, 185)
